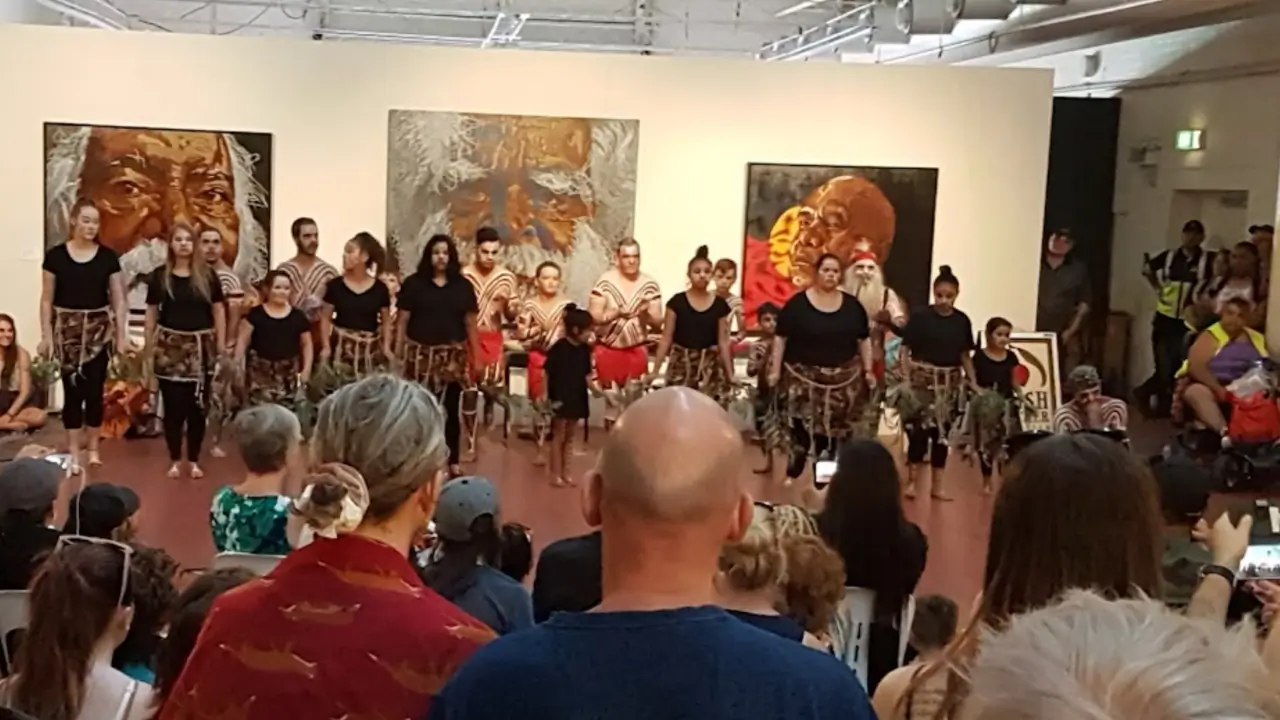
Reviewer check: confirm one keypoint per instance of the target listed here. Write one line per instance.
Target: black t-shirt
(437, 313)
(697, 330)
(940, 340)
(185, 309)
(277, 338)
(568, 577)
(357, 311)
(992, 374)
(568, 366)
(81, 285)
(824, 339)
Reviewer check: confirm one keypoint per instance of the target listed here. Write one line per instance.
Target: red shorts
(490, 347)
(537, 376)
(615, 366)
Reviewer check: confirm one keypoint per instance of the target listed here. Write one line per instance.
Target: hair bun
(945, 270)
(333, 499)
(702, 253)
(571, 307)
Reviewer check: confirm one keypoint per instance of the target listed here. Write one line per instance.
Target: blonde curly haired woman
(781, 577)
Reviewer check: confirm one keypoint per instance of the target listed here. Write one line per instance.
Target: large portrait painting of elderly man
(555, 188)
(145, 181)
(878, 221)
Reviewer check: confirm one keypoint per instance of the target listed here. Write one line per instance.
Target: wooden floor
(175, 513)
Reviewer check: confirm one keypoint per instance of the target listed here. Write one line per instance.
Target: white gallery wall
(701, 122)
(1223, 79)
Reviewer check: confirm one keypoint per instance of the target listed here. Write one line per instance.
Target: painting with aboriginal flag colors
(796, 213)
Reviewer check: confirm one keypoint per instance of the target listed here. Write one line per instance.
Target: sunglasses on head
(125, 551)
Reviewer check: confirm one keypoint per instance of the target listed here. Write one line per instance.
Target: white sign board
(1038, 354)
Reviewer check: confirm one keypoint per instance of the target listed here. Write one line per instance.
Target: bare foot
(196, 472)
(217, 452)
(788, 482)
(559, 483)
(539, 460)
(766, 470)
(570, 481)
(987, 486)
(175, 470)
(910, 491)
(941, 497)
(95, 460)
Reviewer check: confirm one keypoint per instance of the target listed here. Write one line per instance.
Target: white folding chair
(259, 564)
(13, 616)
(851, 629)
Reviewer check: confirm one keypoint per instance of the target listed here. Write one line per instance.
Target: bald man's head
(673, 457)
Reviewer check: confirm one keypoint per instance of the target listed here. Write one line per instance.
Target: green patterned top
(249, 523)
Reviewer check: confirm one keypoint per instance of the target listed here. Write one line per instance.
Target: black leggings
(801, 441)
(452, 402)
(83, 394)
(922, 441)
(182, 412)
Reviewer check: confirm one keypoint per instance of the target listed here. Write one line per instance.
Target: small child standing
(758, 359)
(570, 372)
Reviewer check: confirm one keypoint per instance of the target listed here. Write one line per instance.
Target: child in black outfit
(995, 368)
(570, 372)
(757, 366)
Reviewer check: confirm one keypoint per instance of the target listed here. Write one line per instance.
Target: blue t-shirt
(496, 600)
(696, 663)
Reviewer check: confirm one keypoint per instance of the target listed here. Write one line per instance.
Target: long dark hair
(452, 271)
(454, 572)
(863, 521)
(1075, 511)
(74, 598)
(370, 246)
(9, 355)
(186, 621)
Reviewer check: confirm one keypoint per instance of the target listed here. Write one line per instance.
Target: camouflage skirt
(271, 381)
(182, 355)
(359, 351)
(436, 366)
(943, 394)
(825, 400)
(986, 428)
(702, 370)
(79, 336)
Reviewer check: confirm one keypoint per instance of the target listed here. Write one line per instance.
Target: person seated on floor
(28, 492)
(464, 564)
(568, 577)
(22, 406)
(1089, 410)
(152, 574)
(81, 604)
(103, 511)
(932, 630)
(253, 517)
(187, 619)
(1218, 357)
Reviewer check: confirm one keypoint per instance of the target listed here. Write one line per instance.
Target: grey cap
(29, 485)
(462, 500)
(1083, 377)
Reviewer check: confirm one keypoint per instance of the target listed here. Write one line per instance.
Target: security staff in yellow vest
(1174, 275)
(1220, 356)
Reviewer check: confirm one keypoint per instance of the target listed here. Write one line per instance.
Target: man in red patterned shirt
(343, 627)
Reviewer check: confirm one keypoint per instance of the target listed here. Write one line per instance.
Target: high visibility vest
(1221, 338)
(1173, 294)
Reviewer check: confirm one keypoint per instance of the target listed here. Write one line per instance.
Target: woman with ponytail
(695, 335)
(355, 317)
(81, 609)
(343, 625)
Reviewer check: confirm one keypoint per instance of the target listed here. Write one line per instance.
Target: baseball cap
(462, 500)
(29, 485)
(1194, 226)
(100, 509)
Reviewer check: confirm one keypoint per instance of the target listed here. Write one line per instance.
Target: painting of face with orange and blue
(797, 213)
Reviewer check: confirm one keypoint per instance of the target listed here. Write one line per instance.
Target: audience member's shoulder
(517, 656)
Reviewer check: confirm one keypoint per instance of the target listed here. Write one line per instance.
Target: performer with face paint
(495, 287)
(625, 305)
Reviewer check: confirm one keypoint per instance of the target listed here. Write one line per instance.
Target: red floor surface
(175, 513)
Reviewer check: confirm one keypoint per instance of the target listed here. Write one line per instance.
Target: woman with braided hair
(822, 366)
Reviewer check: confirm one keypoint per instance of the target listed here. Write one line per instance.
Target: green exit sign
(1189, 140)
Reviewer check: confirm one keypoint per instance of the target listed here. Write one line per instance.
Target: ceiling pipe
(83, 15)
(1196, 12)
(456, 41)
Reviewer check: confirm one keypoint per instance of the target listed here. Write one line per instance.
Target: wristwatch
(1223, 572)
